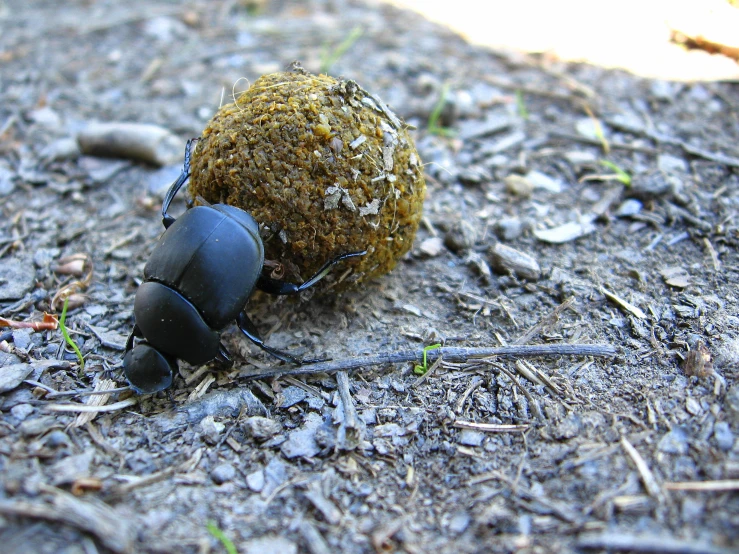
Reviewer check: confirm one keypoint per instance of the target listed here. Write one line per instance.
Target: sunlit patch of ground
(630, 34)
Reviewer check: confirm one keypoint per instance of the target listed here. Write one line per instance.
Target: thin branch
(450, 354)
(491, 427)
(704, 486)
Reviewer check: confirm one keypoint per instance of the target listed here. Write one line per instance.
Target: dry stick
(86, 408)
(701, 486)
(532, 401)
(618, 540)
(98, 519)
(491, 427)
(647, 477)
(350, 412)
(450, 354)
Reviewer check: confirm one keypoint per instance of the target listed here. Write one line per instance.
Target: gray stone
(37, 425)
(629, 207)
(674, 442)
(13, 375)
(223, 473)
(261, 428)
(210, 429)
(509, 228)
(272, 544)
(7, 180)
(723, 435)
(459, 522)
(470, 437)
(255, 480)
(22, 338)
(17, 277)
(671, 164)
(292, 395)
(69, 469)
(21, 411)
(302, 442)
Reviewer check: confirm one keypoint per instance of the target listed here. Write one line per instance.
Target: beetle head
(147, 369)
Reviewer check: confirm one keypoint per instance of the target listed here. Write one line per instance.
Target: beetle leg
(135, 332)
(274, 286)
(248, 328)
(223, 356)
(167, 219)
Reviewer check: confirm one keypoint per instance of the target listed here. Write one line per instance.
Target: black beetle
(197, 280)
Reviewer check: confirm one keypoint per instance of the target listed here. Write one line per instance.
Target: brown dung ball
(323, 166)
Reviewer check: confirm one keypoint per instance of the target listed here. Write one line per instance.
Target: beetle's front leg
(167, 219)
(274, 286)
(248, 328)
(135, 333)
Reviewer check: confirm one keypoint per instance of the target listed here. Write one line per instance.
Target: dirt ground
(528, 238)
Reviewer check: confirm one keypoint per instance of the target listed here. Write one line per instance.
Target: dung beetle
(197, 280)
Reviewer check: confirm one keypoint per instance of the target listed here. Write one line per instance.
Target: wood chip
(95, 400)
(623, 304)
(647, 477)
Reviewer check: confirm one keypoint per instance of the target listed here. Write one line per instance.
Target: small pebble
(210, 429)
(518, 185)
(261, 428)
(671, 164)
(21, 411)
(432, 246)
(223, 473)
(629, 207)
(459, 522)
(302, 442)
(507, 260)
(542, 181)
(566, 232)
(273, 545)
(674, 442)
(255, 481)
(470, 437)
(509, 228)
(723, 435)
(7, 180)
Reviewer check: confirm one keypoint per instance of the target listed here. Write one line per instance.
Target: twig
(702, 486)
(53, 393)
(532, 401)
(491, 427)
(614, 540)
(113, 531)
(647, 477)
(102, 385)
(350, 434)
(621, 303)
(82, 408)
(596, 142)
(450, 354)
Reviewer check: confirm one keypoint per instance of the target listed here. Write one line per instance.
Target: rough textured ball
(323, 166)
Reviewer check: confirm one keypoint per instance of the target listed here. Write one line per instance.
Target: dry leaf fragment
(675, 276)
(49, 323)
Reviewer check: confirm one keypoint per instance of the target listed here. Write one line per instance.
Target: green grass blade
(221, 536)
(67, 338)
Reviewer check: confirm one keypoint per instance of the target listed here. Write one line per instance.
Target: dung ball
(323, 166)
